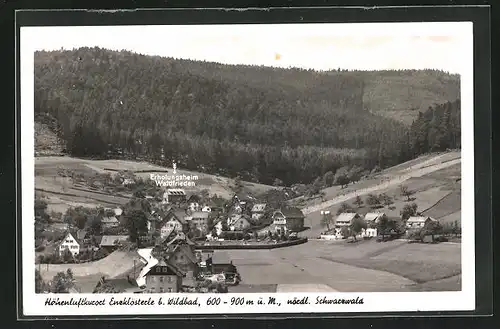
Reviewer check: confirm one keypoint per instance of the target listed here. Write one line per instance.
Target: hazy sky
(317, 46)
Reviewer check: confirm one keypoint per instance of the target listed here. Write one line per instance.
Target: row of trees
(293, 125)
(61, 283)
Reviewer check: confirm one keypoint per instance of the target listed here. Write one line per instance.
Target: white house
(345, 218)
(118, 211)
(238, 222)
(174, 195)
(71, 244)
(369, 232)
(258, 210)
(417, 222)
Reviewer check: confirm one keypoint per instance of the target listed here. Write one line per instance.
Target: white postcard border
(34, 304)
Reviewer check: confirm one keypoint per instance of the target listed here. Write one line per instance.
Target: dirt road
(407, 174)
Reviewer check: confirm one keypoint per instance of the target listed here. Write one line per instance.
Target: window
(165, 270)
(169, 279)
(161, 290)
(169, 289)
(151, 278)
(152, 290)
(161, 279)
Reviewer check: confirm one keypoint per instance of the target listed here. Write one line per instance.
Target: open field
(60, 193)
(433, 182)
(367, 266)
(115, 264)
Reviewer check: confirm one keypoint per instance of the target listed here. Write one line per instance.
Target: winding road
(405, 174)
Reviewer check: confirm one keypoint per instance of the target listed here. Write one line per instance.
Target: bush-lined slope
(257, 122)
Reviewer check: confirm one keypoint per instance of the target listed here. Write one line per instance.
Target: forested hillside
(256, 122)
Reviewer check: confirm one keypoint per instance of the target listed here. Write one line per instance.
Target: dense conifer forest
(258, 123)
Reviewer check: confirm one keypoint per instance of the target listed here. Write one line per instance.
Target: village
(182, 238)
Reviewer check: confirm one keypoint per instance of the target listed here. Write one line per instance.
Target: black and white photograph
(313, 165)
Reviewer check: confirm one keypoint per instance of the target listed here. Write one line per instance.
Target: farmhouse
(238, 222)
(174, 196)
(288, 220)
(374, 217)
(70, 243)
(258, 210)
(173, 221)
(178, 251)
(110, 222)
(111, 242)
(199, 220)
(164, 277)
(418, 222)
(345, 218)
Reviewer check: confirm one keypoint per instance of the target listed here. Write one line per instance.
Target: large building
(174, 196)
(163, 278)
(287, 220)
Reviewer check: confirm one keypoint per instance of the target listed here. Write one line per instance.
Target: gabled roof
(346, 216)
(176, 192)
(118, 285)
(259, 207)
(235, 218)
(109, 220)
(172, 269)
(69, 235)
(112, 240)
(374, 216)
(420, 219)
(178, 215)
(292, 212)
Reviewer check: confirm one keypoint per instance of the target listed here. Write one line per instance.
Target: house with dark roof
(173, 220)
(179, 250)
(238, 222)
(287, 220)
(116, 286)
(220, 262)
(164, 277)
(109, 222)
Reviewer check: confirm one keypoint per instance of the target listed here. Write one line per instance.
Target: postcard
(247, 168)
